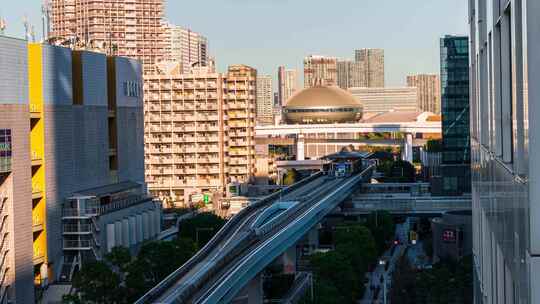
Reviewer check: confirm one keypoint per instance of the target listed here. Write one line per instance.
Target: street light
(382, 262)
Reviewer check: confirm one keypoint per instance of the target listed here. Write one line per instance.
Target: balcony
(37, 193)
(77, 229)
(37, 160)
(35, 111)
(78, 244)
(37, 224)
(39, 255)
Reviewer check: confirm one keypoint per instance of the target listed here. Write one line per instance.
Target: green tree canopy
(119, 257)
(97, 283)
(291, 177)
(201, 227)
(336, 268)
(358, 245)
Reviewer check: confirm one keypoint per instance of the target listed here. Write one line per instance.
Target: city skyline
(411, 49)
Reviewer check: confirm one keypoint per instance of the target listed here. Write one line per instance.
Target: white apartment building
(185, 46)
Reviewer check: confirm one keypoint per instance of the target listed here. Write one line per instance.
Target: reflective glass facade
(504, 136)
(456, 156)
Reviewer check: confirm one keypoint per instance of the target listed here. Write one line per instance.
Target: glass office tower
(456, 158)
(505, 136)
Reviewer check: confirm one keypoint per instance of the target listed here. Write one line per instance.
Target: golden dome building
(322, 105)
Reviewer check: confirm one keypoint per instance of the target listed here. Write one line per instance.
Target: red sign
(449, 236)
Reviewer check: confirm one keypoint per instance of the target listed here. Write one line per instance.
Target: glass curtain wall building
(456, 158)
(505, 69)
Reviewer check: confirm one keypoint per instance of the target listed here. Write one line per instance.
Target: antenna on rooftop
(3, 25)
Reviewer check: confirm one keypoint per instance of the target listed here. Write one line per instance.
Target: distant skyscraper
(456, 157)
(349, 74)
(505, 132)
(184, 46)
(320, 70)
(125, 28)
(264, 100)
(429, 91)
(287, 84)
(371, 67)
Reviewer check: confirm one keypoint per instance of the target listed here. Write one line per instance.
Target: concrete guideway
(237, 253)
(235, 230)
(265, 251)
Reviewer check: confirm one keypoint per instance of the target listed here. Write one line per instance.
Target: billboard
(5, 150)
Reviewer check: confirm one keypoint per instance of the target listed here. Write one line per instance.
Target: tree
(155, 261)
(97, 283)
(119, 257)
(291, 177)
(357, 244)
(382, 228)
(433, 145)
(201, 228)
(335, 268)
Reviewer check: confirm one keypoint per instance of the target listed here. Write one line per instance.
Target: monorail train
(346, 168)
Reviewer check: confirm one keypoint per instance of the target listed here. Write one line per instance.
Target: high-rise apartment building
(429, 91)
(320, 71)
(456, 155)
(287, 84)
(265, 107)
(505, 71)
(371, 63)
(124, 28)
(349, 74)
(71, 123)
(185, 47)
(199, 132)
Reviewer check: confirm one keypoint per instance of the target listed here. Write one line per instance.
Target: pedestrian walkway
(374, 293)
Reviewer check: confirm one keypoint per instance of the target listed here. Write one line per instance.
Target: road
(381, 271)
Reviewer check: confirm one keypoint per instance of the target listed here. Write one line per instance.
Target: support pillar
(300, 147)
(407, 153)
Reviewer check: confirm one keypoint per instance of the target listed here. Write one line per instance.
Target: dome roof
(322, 96)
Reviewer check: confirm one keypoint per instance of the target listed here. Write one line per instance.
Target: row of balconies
(183, 150)
(166, 107)
(169, 183)
(178, 117)
(166, 84)
(156, 128)
(198, 171)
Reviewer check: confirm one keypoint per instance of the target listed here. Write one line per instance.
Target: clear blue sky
(269, 33)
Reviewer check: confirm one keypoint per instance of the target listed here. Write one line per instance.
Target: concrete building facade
(265, 109)
(429, 91)
(199, 132)
(320, 71)
(380, 100)
(505, 67)
(287, 84)
(371, 63)
(16, 229)
(123, 28)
